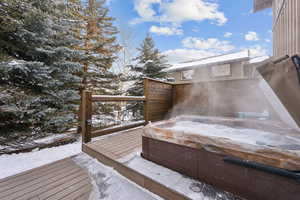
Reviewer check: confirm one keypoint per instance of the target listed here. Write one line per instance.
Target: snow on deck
(211, 60)
(108, 184)
(189, 187)
(17, 163)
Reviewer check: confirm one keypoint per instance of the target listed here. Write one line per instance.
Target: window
(187, 75)
(221, 70)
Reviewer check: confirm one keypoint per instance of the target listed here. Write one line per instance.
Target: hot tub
(250, 158)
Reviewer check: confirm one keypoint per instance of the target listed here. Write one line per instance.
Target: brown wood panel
(79, 192)
(118, 128)
(84, 196)
(159, 99)
(40, 189)
(118, 145)
(86, 118)
(63, 179)
(211, 168)
(70, 189)
(21, 186)
(29, 174)
(116, 98)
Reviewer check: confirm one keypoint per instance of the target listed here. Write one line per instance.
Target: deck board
(110, 150)
(117, 146)
(62, 179)
(35, 178)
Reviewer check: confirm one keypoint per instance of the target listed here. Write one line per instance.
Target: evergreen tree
(97, 34)
(150, 63)
(102, 49)
(38, 70)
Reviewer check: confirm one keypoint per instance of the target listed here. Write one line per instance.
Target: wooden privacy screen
(158, 99)
(220, 98)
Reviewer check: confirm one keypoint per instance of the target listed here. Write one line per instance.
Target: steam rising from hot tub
(220, 98)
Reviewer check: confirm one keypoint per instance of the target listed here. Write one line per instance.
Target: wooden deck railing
(86, 122)
(157, 101)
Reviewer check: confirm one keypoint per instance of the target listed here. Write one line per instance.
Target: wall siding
(286, 27)
(204, 74)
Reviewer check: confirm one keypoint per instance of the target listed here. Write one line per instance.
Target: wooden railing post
(146, 92)
(86, 118)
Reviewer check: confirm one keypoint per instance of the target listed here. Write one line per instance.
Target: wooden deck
(113, 149)
(117, 146)
(63, 179)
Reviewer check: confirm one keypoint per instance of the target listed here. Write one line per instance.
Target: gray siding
(286, 27)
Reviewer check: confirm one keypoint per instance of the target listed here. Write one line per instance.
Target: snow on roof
(258, 59)
(226, 58)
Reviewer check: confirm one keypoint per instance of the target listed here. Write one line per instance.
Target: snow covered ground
(17, 163)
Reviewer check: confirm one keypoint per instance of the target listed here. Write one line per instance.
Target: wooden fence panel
(158, 99)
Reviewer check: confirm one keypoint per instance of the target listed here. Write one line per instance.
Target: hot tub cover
(265, 142)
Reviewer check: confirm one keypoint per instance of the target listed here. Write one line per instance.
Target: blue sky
(191, 29)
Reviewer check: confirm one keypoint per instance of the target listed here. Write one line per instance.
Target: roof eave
(259, 5)
(208, 65)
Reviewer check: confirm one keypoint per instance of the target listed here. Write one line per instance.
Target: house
(234, 66)
(286, 25)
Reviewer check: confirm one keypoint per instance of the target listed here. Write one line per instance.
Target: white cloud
(227, 34)
(211, 44)
(197, 48)
(145, 10)
(257, 50)
(166, 30)
(267, 40)
(180, 55)
(195, 30)
(251, 36)
(178, 11)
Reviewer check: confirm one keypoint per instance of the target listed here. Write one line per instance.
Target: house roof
(259, 5)
(220, 59)
(258, 59)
